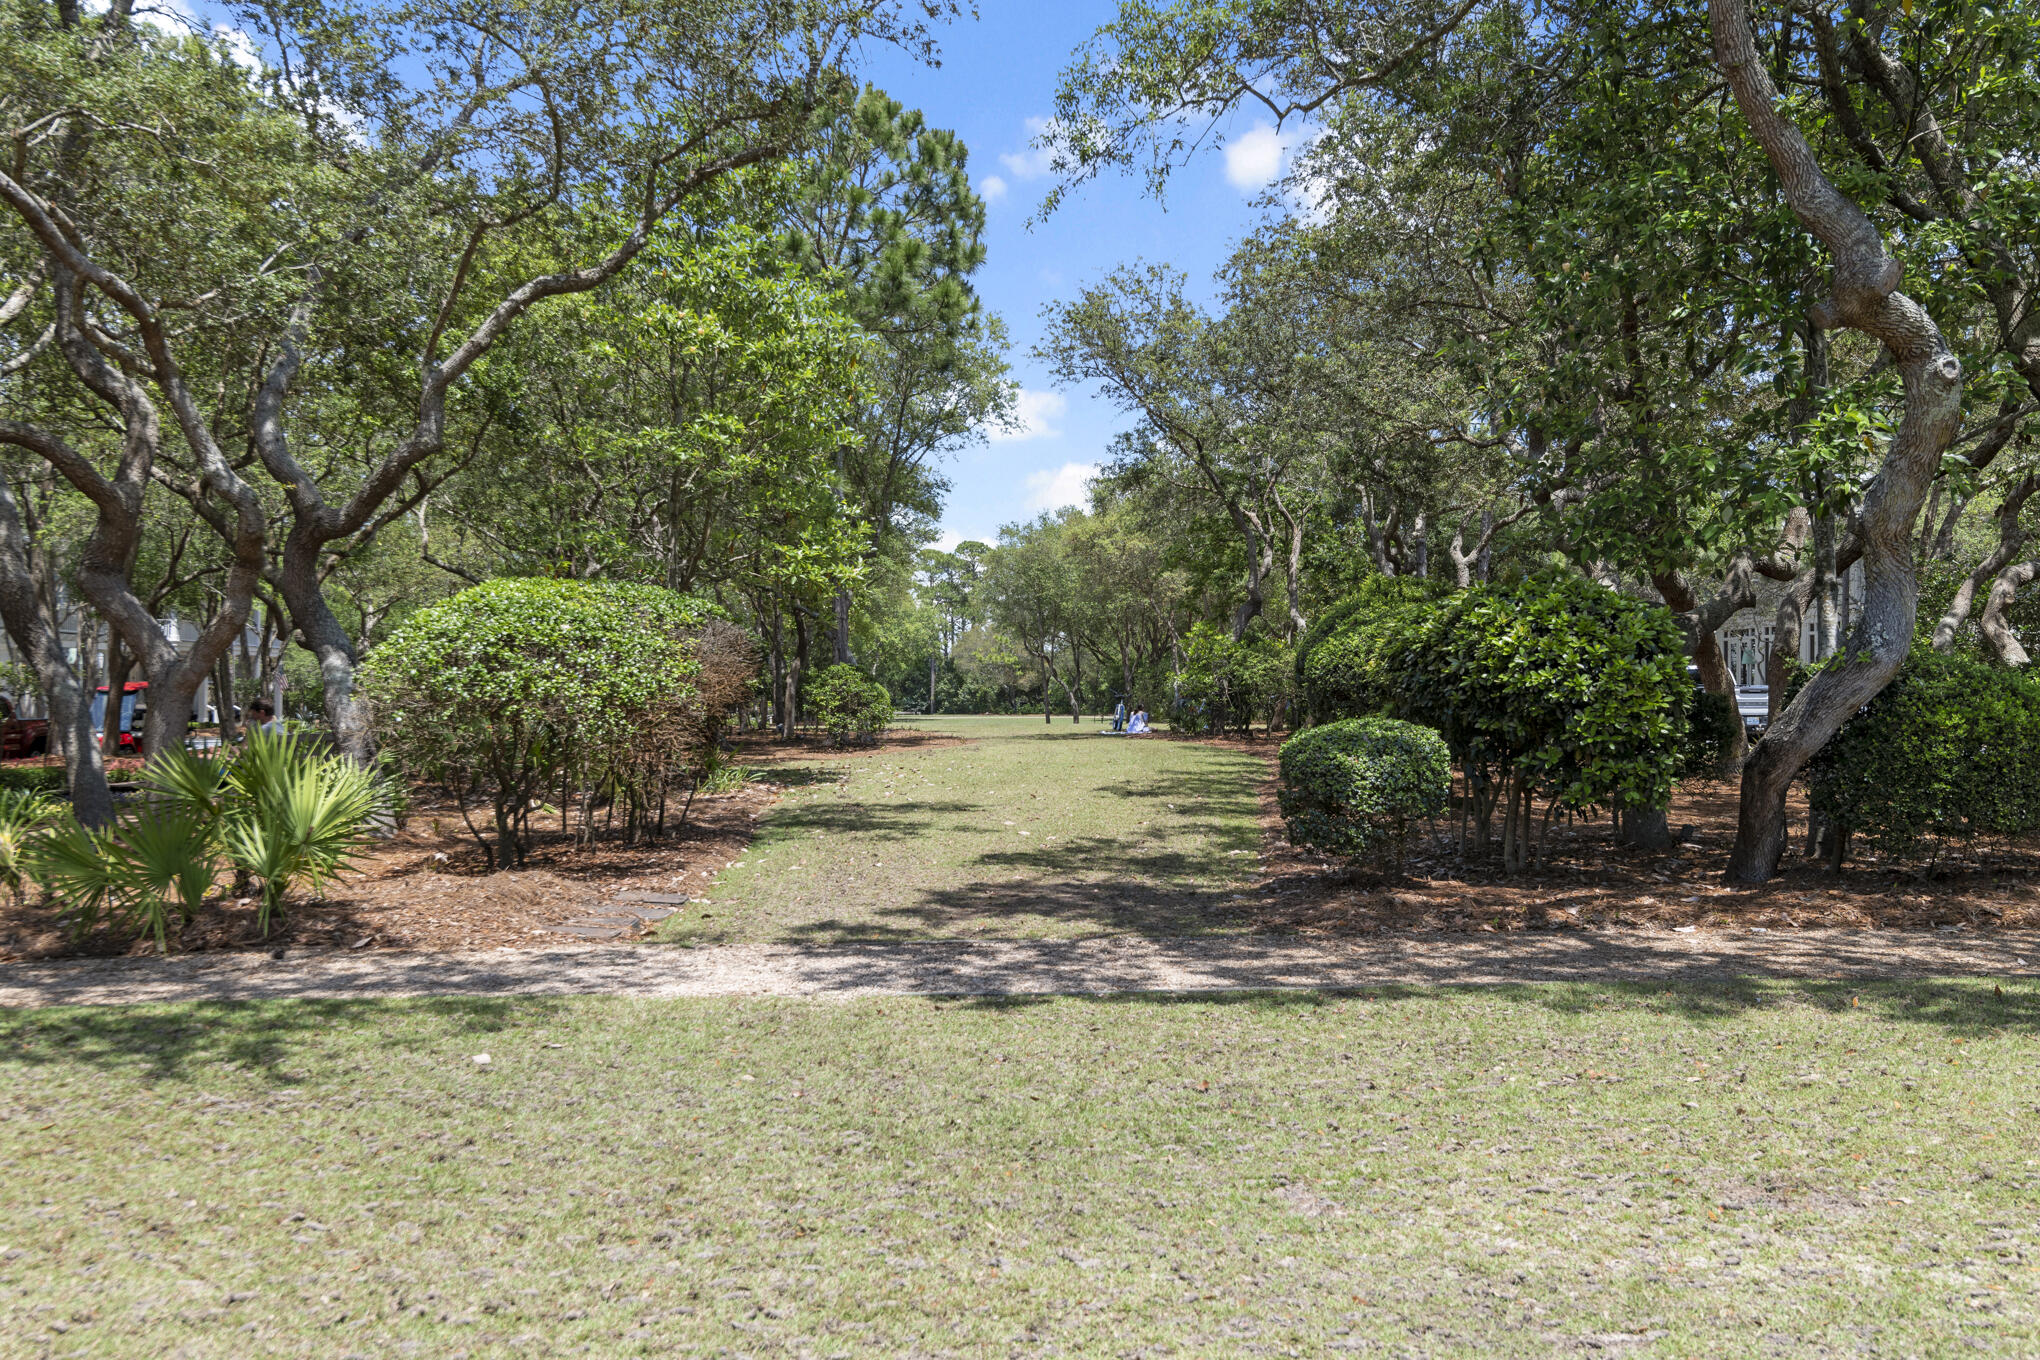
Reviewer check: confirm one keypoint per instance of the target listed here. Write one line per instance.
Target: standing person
(262, 717)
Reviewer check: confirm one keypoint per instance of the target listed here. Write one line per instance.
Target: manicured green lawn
(1029, 831)
(1766, 1169)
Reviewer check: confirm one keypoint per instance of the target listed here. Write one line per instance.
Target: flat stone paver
(1099, 965)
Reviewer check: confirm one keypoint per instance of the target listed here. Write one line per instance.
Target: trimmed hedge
(847, 703)
(1949, 750)
(1338, 662)
(47, 779)
(1353, 788)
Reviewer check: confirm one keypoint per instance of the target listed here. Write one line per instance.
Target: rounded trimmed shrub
(1949, 750)
(847, 703)
(1354, 788)
(523, 687)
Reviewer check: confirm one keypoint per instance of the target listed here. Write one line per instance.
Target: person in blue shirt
(1138, 724)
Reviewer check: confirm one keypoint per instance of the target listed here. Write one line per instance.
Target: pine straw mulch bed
(427, 888)
(1590, 882)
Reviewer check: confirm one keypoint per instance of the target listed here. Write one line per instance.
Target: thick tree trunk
(842, 638)
(1865, 296)
(69, 705)
(1996, 631)
(320, 632)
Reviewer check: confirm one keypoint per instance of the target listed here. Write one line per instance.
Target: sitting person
(1137, 725)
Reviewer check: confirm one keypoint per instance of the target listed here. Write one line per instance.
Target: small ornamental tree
(1225, 685)
(1949, 751)
(848, 704)
(1551, 686)
(520, 689)
(1355, 788)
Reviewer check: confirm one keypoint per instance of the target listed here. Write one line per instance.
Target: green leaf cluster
(522, 686)
(1354, 788)
(1950, 750)
(848, 704)
(1225, 684)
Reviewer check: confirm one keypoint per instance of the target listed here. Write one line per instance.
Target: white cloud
(992, 188)
(946, 541)
(1254, 158)
(1034, 417)
(1069, 484)
(1035, 161)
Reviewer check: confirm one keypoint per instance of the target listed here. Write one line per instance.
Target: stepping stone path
(625, 917)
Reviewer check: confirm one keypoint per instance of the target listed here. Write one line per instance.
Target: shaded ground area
(426, 889)
(1099, 964)
(1027, 831)
(1753, 1169)
(1590, 881)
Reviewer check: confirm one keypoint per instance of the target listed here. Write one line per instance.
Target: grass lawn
(1765, 1169)
(1030, 831)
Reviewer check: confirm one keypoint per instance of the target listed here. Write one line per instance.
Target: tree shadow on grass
(173, 1043)
(1960, 1008)
(1083, 885)
(894, 821)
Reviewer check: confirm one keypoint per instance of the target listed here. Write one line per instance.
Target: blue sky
(995, 87)
(996, 83)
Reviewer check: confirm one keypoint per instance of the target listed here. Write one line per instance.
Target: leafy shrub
(1338, 662)
(1354, 788)
(1949, 750)
(1712, 721)
(519, 688)
(22, 815)
(44, 779)
(294, 814)
(282, 810)
(1549, 687)
(142, 869)
(847, 703)
(1226, 685)
(1552, 685)
(722, 777)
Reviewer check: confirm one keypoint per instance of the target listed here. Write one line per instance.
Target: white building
(1746, 638)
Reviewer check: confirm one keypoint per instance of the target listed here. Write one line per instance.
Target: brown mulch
(1590, 881)
(427, 888)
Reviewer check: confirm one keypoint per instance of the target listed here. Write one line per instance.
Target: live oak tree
(1657, 302)
(390, 192)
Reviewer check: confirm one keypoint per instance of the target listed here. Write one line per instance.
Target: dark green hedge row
(1949, 751)
(34, 778)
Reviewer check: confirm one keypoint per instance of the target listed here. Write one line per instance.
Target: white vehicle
(1753, 702)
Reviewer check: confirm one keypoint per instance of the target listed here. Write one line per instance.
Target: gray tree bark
(70, 707)
(1864, 296)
